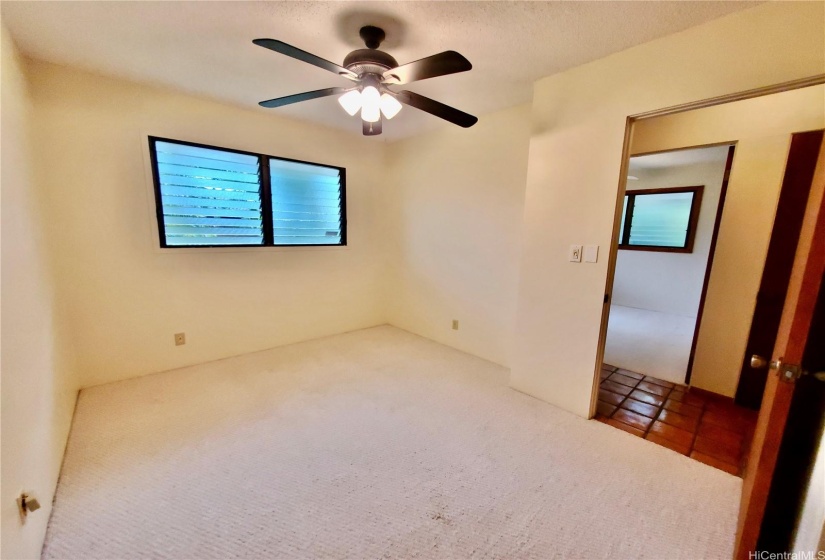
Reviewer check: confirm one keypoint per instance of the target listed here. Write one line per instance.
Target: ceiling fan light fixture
(351, 102)
(389, 105)
(373, 71)
(370, 104)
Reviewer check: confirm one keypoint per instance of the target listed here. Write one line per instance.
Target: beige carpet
(372, 444)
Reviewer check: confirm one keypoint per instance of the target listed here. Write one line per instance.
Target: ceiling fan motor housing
(369, 61)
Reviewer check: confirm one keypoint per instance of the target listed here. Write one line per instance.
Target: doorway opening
(671, 214)
(678, 335)
(670, 221)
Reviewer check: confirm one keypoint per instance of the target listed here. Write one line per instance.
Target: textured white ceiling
(205, 48)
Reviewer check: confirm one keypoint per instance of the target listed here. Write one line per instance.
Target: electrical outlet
(575, 254)
(180, 339)
(455, 324)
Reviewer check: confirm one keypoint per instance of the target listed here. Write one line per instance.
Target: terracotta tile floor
(704, 426)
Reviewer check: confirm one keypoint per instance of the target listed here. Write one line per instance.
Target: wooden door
(790, 491)
(773, 287)
(800, 301)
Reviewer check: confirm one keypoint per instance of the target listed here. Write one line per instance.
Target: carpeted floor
(649, 342)
(372, 444)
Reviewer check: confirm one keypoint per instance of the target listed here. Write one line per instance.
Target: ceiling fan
(373, 71)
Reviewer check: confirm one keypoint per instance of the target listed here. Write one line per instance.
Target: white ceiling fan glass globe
(351, 101)
(389, 105)
(370, 104)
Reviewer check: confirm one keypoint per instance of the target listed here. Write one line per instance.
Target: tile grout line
(698, 425)
(660, 408)
(621, 402)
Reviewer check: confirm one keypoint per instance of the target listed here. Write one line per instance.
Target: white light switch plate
(591, 253)
(575, 254)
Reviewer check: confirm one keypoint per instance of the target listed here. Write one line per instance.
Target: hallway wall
(575, 163)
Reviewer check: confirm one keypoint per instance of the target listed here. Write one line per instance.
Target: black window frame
(693, 219)
(266, 197)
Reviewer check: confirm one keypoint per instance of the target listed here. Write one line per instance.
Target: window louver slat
(320, 206)
(209, 185)
(211, 193)
(331, 239)
(208, 196)
(306, 203)
(318, 224)
(206, 240)
(219, 222)
(306, 211)
(241, 179)
(184, 229)
(180, 162)
(203, 202)
(200, 212)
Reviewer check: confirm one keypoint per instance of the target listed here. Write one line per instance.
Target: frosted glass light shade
(351, 101)
(370, 104)
(389, 105)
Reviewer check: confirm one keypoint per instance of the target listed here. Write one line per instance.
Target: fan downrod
(372, 36)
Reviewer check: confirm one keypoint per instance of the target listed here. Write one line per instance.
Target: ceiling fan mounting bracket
(372, 36)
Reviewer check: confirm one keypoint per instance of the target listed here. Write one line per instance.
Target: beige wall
(457, 197)
(762, 128)
(578, 127)
(670, 282)
(38, 388)
(125, 296)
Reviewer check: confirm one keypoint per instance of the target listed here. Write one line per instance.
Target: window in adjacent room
(217, 197)
(660, 219)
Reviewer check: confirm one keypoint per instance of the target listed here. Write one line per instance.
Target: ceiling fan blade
(435, 108)
(372, 128)
(298, 97)
(303, 56)
(441, 64)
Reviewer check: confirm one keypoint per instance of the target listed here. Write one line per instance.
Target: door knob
(787, 372)
(758, 362)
